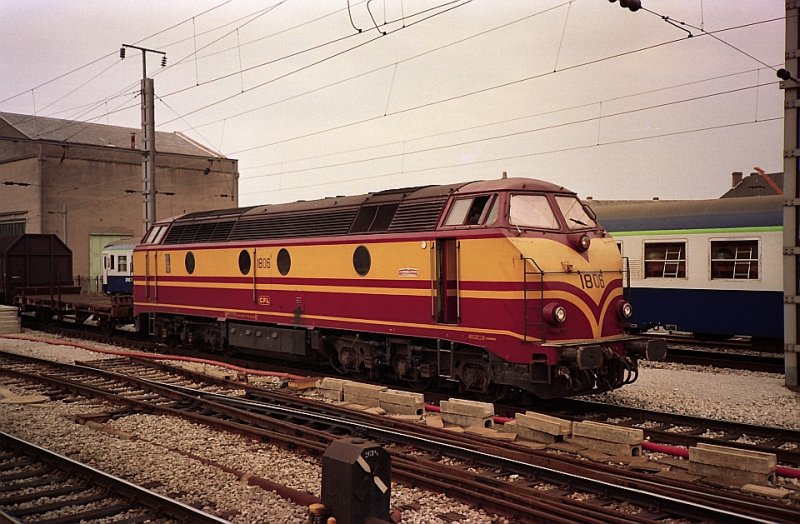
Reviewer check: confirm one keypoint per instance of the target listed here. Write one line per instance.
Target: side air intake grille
(324, 223)
(417, 216)
(202, 232)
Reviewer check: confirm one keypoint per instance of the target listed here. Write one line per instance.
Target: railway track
(767, 362)
(681, 430)
(38, 485)
(507, 479)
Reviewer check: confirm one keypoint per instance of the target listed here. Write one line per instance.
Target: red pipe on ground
(675, 451)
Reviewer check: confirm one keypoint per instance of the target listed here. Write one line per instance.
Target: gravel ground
(52, 425)
(753, 397)
(725, 394)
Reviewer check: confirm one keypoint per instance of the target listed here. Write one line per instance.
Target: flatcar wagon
(497, 286)
(713, 268)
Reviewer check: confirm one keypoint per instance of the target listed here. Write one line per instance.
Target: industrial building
(84, 182)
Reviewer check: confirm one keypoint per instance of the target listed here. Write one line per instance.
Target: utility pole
(149, 129)
(791, 233)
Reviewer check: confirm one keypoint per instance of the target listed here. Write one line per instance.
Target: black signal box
(356, 481)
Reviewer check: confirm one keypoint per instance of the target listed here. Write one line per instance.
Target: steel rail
(120, 487)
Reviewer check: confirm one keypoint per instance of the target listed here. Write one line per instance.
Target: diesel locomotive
(498, 286)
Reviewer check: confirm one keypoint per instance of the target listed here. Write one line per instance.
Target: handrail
(525, 308)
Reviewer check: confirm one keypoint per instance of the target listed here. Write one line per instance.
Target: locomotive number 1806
(593, 279)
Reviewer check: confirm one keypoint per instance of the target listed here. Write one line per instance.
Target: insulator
(164, 61)
(121, 53)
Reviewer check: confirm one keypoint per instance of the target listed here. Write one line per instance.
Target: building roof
(88, 133)
(757, 184)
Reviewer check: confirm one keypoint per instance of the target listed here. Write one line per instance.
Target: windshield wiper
(579, 222)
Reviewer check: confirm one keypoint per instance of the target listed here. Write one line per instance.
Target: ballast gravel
(161, 449)
(751, 397)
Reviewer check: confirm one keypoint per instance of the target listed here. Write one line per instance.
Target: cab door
(447, 300)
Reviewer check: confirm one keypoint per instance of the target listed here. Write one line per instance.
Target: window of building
(665, 260)
(734, 259)
(532, 211)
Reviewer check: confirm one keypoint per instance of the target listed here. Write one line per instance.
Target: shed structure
(83, 182)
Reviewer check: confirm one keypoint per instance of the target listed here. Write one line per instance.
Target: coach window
(734, 259)
(362, 261)
(122, 263)
(665, 260)
(284, 262)
(189, 262)
(532, 211)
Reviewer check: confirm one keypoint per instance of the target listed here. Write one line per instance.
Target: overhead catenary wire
(515, 157)
(519, 133)
(472, 93)
(514, 119)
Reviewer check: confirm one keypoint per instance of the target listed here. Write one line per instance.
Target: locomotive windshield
(534, 211)
(575, 213)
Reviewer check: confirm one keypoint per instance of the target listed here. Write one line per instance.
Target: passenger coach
(498, 286)
(713, 268)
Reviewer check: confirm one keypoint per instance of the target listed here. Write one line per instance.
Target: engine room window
(362, 261)
(734, 259)
(189, 262)
(168, 263)
(374, 218)
(575, 213)
(122, 263)
(665, 260)
(284, 262)
(244, 262)
(532, 211)
(468, 211)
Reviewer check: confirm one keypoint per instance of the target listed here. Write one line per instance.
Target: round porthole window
(189, 262)
(284, 262)
(362, 261)
(244, 262)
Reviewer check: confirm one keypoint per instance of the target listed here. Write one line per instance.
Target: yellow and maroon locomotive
(499, 286)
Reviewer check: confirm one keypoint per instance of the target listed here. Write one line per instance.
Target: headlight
(580, 242)
(555, 314)
(625, 310)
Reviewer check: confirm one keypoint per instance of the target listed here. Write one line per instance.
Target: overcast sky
(609, 103)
